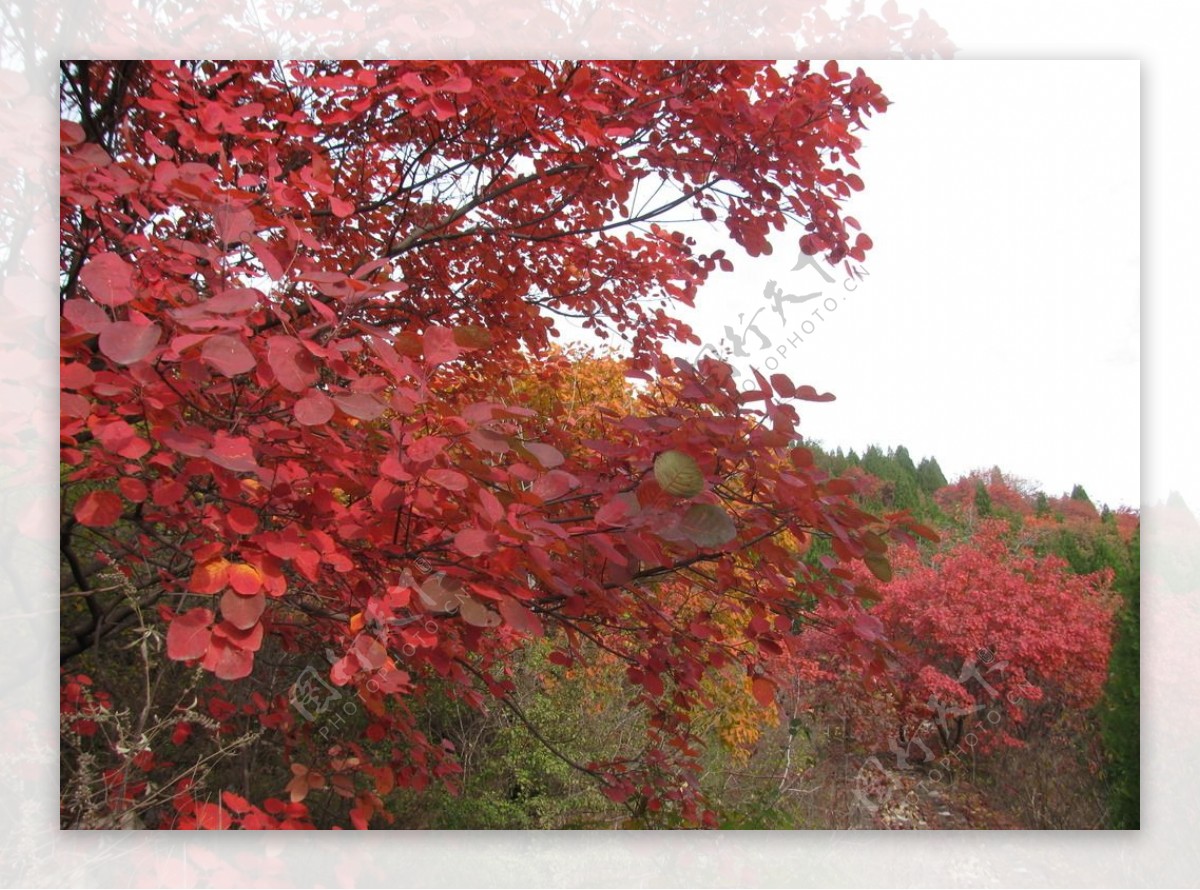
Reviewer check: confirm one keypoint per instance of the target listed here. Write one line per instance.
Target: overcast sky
(999, 322)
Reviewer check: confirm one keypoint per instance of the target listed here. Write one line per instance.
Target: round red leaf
(189, 635)
(109, 279)
(98, 509)
(127, 342)
(314, 409)
(242, 612)
(229, 355)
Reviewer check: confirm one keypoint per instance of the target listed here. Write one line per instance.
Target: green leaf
(678, 474)
(879, 566)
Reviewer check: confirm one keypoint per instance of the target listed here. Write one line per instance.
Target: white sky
(999, 323)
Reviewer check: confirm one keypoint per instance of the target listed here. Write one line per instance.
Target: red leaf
(232, 452)
(811, 395)
(134, 490)
(227, 661)
(266, 256)
(490, 440)
(182, 732)
(370, 653)
(233, 223)
(86, 315)
(209, 577)
(764, 691)
(245, 579)
(109, 279)
(70, 133)
(474, 542)
(243, 612)
(248, 639)
(127, 342)
(868, 626)
(212, 817)
(314, 409)
(235, 802)
(241, 520)
(652, 683)
(426, 448)
(233, 301)
(448, 479)
(783, 385)
(519, 618)
(476, 614)
(618, 511)
(340, 208)
(189, 634)
(120, 438)
(229, 355)
(293, 366)
(548, 456)
(456, 85)
(98, 509)
(362, 405)
(472, 336)
(554, 485)
(439, 345)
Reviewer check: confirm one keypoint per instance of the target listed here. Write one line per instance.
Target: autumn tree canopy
(308, 313)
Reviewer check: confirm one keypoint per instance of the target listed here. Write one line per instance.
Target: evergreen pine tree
(904, 460)
(930, 476)
(983, 500)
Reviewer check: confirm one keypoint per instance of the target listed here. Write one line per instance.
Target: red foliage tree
(291, 300)
(986, 641)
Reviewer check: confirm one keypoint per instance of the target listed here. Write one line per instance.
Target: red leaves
(441, 345)
(783, 385)
(122, 439)
(189, 634)
(325, 437)
(98, 509)
(303, 781)
(85, 315)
